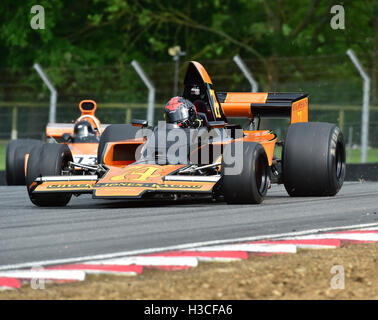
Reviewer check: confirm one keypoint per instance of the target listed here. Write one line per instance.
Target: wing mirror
(66, 137)
(216, 124)
(139, 123)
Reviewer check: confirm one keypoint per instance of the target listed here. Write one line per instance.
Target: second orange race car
(82, 138)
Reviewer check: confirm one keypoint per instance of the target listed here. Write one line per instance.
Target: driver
(182, 112)
(83, 130)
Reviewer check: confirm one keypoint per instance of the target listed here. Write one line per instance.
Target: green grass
(354, 155)
(3, 148)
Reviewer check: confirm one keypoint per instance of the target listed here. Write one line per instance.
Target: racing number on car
(149, 172)
(143, 173)
(90, 160)
(216, 104)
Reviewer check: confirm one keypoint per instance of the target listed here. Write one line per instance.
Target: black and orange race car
(219, 160)
(82, 138)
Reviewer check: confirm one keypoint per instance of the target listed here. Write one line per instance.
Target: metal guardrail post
(341, 119)
(151, 91)
(14, 132)
(247, 73)
(365, 105)
(128, 115)
(53, 92)
(350, 143)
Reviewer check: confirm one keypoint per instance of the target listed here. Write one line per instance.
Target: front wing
(112, 190)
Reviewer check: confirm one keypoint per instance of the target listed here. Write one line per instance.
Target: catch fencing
(333, 84)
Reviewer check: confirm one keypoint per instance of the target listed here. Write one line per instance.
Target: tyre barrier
(3, 181)
(358, 172)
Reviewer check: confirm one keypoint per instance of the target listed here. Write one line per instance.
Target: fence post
(365, 105)
(128, 115)
(247, 73)
(14, 132)
(151, 91)
(350, 143)
(341, 119)
(53, 92)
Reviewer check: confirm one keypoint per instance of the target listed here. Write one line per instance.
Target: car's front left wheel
(245, 175)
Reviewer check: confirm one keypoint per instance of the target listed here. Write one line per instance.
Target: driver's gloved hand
(197, 123)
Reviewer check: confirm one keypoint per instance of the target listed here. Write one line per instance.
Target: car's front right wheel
(48, 160)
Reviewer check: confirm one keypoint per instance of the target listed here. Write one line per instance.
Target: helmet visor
(180, 114)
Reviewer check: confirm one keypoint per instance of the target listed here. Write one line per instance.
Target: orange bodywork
(299, 111)
(127, 150)
(57, 131)
(244, 104)
(84, 153)
(238, 104)
(264, 137)
(89, 115)
(26, 162)
(137, 179)
(83, 148)
(205, 76)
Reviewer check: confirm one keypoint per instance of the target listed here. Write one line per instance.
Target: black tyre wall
(313, 159)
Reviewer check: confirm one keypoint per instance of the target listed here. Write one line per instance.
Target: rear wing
(56, 130)
(293, 106)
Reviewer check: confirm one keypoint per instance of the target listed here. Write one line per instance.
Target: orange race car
(197, 152)
(81, 137)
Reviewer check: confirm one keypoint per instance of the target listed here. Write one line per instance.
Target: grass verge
(3, 148)
(305, 275)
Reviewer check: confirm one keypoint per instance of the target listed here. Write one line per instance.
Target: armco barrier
(354, 172)
(367, 172)
(2, 178)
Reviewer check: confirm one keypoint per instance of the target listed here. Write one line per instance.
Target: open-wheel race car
(213, 158)
(81, 137)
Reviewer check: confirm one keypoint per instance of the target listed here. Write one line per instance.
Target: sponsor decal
(146, 185)
(123, 184)
(299, 105)
(70, 186)
(299, 108)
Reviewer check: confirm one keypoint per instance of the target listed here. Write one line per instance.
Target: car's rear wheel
(15, 160)
(313, 159)
(113, 133)
(250, 183)
(48, 160)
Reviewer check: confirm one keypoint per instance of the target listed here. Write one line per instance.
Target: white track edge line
(179, 247)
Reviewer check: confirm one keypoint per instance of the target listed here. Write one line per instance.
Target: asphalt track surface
(91, 227)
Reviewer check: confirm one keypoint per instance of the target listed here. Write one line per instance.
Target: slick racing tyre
(15, 160)
(313, 159)
(48, 160)
(113, 133)
(250, 184)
